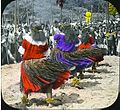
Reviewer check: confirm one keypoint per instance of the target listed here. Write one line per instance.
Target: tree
(112, 9)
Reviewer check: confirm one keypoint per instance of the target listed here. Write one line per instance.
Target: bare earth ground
(99, 90)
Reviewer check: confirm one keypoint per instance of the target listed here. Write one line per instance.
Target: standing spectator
(114, 44)
(96, 36)
(118, 44)
(111, 43)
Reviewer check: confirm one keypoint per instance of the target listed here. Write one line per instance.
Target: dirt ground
(98, 90)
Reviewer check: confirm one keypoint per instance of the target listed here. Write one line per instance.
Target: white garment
(79, 39)
(47, 53)
(56, 30)
(27, 37)
(51, 38)
(11, 38)
(21, 50)
(118, 46)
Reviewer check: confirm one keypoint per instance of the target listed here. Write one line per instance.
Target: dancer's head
(37, 32)
(69, 32)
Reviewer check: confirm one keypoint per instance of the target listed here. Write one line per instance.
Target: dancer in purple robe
(69, 46)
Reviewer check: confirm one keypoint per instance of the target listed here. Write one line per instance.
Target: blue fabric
(70, 47)
(63, 45)
(79, 63)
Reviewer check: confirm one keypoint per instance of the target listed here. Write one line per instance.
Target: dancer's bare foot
(75, 81)
(25, 99)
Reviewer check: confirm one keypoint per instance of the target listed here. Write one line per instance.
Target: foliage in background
(112, 9)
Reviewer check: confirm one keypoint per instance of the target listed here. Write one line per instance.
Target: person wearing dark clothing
(111, 44)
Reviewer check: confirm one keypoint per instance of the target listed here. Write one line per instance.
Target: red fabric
(88, 44)
(28, 86)
(42, 80)
(96, 59)
(33, 51)
(91, 40)
(84, 46)
(61, 78)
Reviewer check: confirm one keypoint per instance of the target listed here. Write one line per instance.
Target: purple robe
(64, 46)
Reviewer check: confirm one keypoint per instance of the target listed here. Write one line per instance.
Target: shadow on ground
(103, 70)
(105, 64)
(92, 76)
(87, 84)
(58, 100)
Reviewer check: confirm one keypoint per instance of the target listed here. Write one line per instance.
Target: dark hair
(69, 32)
(38, 35)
